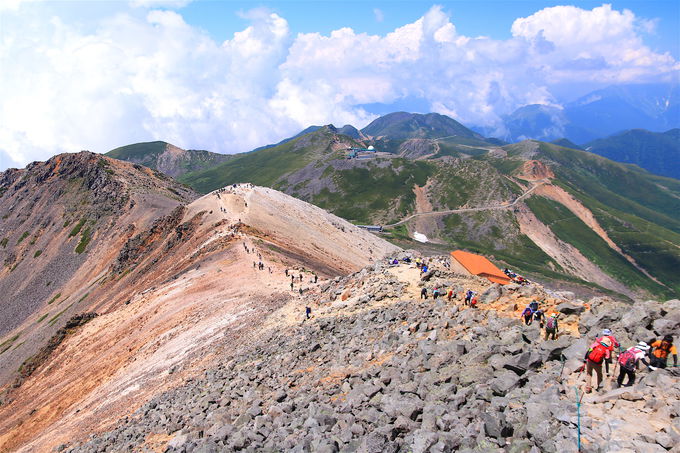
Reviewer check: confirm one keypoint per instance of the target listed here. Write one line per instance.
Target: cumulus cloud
(152, 76)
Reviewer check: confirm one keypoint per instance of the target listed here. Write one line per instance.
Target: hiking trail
(480, 208)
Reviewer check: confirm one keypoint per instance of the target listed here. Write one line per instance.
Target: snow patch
(420, 237)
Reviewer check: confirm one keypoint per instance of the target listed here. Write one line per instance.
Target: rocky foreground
(376, 370)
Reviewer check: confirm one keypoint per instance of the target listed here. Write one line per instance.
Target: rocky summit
(375, 369)
(139, 316)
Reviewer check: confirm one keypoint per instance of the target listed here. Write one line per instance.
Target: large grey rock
(491, 294)
(577, 350)
(523, 362)
(408, 405)
(504, 382)
(569, 308)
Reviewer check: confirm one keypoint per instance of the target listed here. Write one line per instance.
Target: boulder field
(376, 369)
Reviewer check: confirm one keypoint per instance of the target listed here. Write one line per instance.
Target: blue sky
(230, 76)
(472, 18)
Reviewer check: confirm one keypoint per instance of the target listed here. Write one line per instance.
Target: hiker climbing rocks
(468, 296)
(628, 363)
(527, 314)
(661, 350)
(300, 290)
(308, 311)
(300, 277)
(473, 302)
(615, 345)
(291, 286)
(593, 362)
(449, 294)
(540, 317)
(435, 293)
(286, 272)
(551, 327)
(423, 293)
(316, 278)
(534, 306)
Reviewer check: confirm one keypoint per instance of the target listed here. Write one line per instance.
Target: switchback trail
(482, 208)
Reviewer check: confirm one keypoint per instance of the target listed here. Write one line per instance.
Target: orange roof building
(467, 263)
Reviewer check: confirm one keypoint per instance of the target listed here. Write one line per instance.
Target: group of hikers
(515, 277)
(532, 313)
(653, 355)
(469, 298)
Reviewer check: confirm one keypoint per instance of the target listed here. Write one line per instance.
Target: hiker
(660, 352)
(534, 306)
(468, 296)
(527, 315)
(308, 311)
(628, 363)
(551, 328)
(593, 362)
(449, 295)
(300, 277)
(286, 272)
(473, 302)
(540, 317)
(424, 270)
(615, 345)
(300, 290)
(316, 278)
(435, 293)
(291, 286)
(423, 293)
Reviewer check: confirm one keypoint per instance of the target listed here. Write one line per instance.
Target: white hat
(642, 346)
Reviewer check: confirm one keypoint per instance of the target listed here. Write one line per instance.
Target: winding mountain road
(482, 208)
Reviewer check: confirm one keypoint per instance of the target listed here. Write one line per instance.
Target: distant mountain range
(655, 152)
(655, 107)
(547, 209)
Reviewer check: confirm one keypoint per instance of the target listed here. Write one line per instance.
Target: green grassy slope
(266, 167)
(656, 152)
(146, 151)
(149, 153)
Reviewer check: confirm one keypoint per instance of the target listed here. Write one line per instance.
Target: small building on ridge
(467, 263)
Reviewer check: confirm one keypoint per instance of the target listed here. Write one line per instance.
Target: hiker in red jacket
(606, 333)
(594, 358)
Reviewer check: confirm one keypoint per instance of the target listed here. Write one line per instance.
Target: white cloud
(379, 15)
(154, 77)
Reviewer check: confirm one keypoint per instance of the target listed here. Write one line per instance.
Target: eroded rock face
(388, 374)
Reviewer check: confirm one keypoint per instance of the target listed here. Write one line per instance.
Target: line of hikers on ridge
(469, 297)
(653, 355)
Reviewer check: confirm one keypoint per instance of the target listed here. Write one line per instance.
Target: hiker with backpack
(534, 306)
(423, 293)
(528, 315)
(551, 328)
(449, 294)
(661, 350)
(593, 362)
(435, 293)
(540, 317)
(628, 363)
(615, 345)
(468, 296)
(473, 302)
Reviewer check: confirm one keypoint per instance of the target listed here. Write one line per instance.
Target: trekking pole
(561, 369)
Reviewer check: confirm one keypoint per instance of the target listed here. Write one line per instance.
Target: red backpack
(598, 354)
